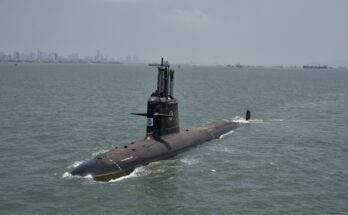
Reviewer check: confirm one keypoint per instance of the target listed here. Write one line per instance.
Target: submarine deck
(167, 145)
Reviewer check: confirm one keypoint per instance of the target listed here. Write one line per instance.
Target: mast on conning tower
(162, 108)
(165, 80)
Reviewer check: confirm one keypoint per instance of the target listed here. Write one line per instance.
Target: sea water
(291, 158)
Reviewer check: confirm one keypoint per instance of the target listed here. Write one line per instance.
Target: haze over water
(267, 32)
(292, 158)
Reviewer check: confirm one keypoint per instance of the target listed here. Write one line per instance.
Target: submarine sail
(162, 108)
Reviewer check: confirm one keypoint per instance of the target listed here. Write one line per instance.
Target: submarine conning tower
(162, 107)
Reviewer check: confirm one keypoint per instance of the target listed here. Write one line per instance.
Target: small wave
(67, 175)
(75, 164)
(272, 164)
(242, 120)
(138, 172)
(277, 120)
(225, 134)
(255, 121)
(189, 161)
(239, 119)
(219, 148)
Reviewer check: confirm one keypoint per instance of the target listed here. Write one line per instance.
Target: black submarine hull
(163, 137)
(122, 161)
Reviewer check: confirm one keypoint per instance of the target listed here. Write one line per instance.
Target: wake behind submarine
(163, 137)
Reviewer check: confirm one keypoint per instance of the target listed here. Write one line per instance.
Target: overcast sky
(257, 32)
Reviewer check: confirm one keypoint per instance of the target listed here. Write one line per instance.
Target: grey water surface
(292, 158)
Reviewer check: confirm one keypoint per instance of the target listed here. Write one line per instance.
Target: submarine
(163, 137)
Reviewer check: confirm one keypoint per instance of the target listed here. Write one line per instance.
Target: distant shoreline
(70, 63)
(178, 65)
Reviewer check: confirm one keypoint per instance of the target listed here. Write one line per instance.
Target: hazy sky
(258, 32)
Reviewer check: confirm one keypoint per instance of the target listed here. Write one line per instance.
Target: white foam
(239, 119)
(67, 175)
(225, 134)
(189, 161)
(242, 120)
(255, 121)
(78, 163)
(75, 164)
(138, 172)
(277, 120)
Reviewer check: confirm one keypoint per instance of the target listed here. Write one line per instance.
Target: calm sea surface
(292, 158)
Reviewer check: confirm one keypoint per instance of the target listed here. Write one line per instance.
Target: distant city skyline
(267, 32)
(53, 57)
(74, 57)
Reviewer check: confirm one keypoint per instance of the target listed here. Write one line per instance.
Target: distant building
(314, 67)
